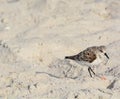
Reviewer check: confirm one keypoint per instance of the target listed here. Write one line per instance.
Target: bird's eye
(88, 54)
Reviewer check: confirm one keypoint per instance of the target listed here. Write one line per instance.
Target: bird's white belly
(96, 62)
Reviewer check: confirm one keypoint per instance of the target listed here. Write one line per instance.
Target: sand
(36, 35)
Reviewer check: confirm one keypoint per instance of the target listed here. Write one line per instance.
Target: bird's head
(102, 50)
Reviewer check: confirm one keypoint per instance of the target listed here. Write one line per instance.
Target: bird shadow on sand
(63, 69)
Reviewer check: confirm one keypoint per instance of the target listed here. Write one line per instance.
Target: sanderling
(92, 56)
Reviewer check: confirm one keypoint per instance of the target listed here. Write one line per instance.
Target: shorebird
(91, 56)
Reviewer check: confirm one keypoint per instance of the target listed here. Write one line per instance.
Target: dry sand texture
(35, 35)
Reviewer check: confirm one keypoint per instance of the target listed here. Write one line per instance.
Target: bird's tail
(71, 57)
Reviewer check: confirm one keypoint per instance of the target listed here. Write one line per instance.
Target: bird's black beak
(106, 55)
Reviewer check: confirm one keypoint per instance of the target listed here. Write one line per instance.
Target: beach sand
(36, 35)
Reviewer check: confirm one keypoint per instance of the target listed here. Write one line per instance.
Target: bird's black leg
(92, 71)
(89, 71)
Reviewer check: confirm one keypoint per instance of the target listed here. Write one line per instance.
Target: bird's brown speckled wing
(87, 55)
